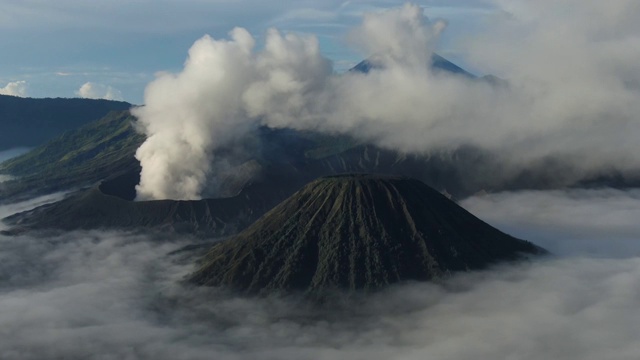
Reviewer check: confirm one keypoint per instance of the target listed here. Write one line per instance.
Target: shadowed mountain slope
(99, 150)
(357, 232)
(27, 122)
(94, 209)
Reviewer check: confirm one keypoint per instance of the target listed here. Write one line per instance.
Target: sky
(112, 48)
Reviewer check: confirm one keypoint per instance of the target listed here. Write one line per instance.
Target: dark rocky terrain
(94, 209)
(357, 232)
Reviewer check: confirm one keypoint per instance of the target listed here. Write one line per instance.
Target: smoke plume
(572, 93)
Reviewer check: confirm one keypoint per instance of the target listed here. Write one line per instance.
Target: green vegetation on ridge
(76, 158)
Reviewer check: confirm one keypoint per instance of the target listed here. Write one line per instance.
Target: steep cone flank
(357, 232)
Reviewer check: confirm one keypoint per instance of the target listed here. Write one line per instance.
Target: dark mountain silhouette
(28, 122)
(93, 209)
(357, 232)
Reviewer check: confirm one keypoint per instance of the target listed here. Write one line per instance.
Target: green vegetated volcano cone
(357, 232)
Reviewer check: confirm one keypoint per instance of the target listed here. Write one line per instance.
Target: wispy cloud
(305, 15)
(568, 222)
(10, 209)
(144, 17)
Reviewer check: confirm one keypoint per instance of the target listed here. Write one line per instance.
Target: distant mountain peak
(438, 63)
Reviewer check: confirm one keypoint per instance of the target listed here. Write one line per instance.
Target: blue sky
(52, 48)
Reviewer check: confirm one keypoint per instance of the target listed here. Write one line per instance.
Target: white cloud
(15, 88)
(92, 90)
(569, 222)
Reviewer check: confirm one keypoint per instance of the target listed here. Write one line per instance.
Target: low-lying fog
(13, 152)
(10, 154)
(114, 295)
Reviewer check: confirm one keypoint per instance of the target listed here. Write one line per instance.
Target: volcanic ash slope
(357, 232)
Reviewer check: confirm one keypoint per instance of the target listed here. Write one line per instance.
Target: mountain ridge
(94, 152)
(29, 122)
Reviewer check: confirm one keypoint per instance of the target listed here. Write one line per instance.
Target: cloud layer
(572, 222)
(117, 295)
(573, 97)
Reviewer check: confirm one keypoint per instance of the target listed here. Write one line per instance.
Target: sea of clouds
(120, 295)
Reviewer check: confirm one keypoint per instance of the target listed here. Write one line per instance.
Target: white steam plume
(188, 116)
(574, 93)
